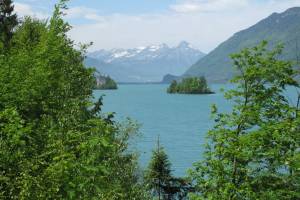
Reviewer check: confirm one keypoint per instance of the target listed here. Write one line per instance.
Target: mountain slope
(277, 28)
(144, 64)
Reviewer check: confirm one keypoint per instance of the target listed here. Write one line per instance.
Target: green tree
(191, 85)
(173, 87)
(160, 181)
(252, 151)
(8, 21)
(54, 141)
(158, 174)
(104, 82)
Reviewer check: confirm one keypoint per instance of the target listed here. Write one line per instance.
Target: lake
(181, 121)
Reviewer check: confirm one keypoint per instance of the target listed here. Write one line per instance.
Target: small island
(191, 85)
(104, 83)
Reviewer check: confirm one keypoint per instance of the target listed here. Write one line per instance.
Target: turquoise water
(181, 121)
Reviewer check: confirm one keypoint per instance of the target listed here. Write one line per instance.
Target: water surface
(181, 121)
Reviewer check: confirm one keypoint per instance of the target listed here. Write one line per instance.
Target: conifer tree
(8, 21)
(160, 181)
(158, 174)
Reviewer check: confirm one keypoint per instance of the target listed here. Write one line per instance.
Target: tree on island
(104, 82)
(253, 152)
(191, 85)
(8, 22)
(173, 87)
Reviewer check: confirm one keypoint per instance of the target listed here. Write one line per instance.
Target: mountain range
(278, 28)
(144, 64)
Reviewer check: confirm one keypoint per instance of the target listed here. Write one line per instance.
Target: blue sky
(106, 7)
(127, 6)
(132, 23)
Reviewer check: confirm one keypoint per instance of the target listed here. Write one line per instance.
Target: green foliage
(8, 21)
(54, 142)
(173, 87)
(160, 181)
(192, 85)
(105, 83)
(158, 174)
(253, 151)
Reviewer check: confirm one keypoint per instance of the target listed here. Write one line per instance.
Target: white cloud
(204, 23)
(79, 12)
(27, 10)
(205, 28)
(208, 5)
(186, 7)
(82, 12)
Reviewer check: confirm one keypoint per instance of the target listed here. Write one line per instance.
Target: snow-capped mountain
(144, 64)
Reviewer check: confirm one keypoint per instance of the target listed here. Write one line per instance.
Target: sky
(133, 23)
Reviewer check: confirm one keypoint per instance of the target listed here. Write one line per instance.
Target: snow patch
(154, 48)
(120, 54)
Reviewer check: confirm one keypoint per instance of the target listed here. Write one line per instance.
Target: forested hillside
(278, 28)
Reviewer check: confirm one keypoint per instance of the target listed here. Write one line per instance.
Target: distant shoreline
(141, 83)
(162, 83)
